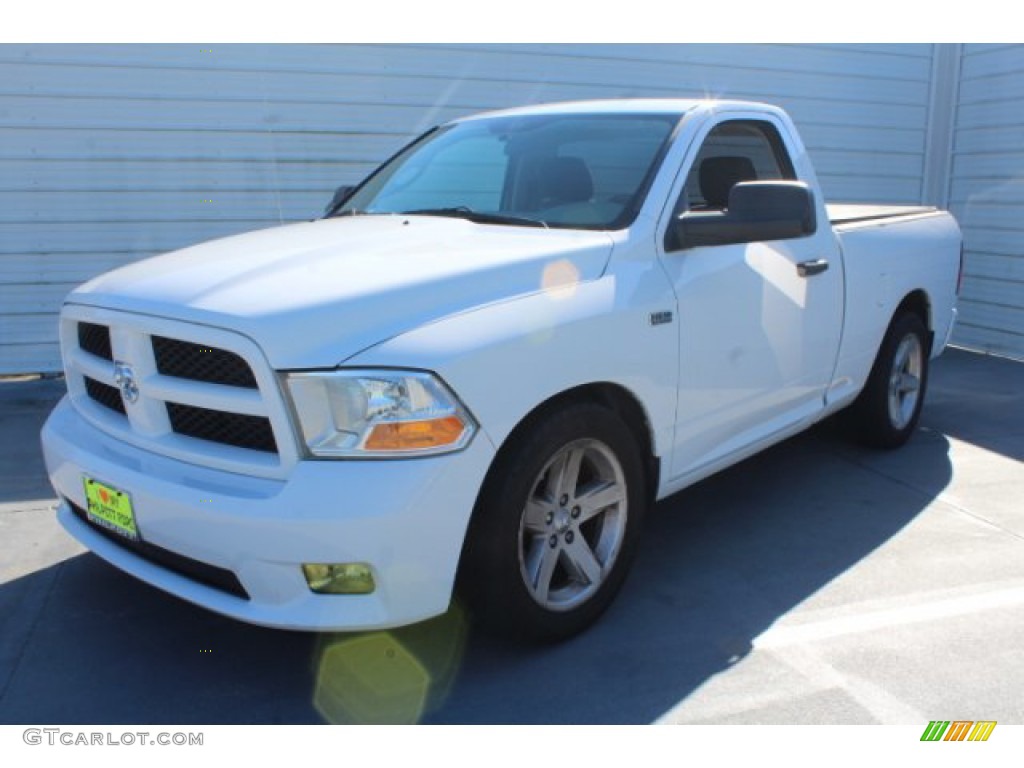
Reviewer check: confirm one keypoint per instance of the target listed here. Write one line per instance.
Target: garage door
(987, 196)
(109, 154)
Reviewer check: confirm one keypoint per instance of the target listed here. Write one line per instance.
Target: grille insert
(238, 429)
(95, 339)
(204, 573)
(104, 394)
(186, 360)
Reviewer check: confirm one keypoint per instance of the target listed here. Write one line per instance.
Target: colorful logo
(958, 730)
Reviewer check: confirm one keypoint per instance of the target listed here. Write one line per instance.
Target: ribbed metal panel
(987, 196)
(109, 154)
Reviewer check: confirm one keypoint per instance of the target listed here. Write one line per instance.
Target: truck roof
(626, 106)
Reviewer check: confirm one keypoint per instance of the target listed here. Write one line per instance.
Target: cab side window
(734, 151)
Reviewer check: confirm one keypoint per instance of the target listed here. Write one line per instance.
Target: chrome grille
(186, 360)
(95, 339)
(192, 392)
(252, 432)
(105, 395)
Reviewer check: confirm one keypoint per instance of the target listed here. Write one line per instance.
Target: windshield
(581, 171)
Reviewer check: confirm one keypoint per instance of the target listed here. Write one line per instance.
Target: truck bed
(848, 213)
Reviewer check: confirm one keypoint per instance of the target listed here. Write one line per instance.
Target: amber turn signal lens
(413, 435)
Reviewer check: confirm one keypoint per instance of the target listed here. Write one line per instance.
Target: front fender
(505, 359)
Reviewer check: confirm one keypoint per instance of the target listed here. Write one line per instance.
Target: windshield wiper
(478, 217)
(349, 212)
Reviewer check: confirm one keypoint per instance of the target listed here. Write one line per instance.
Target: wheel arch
(917, 302)
(613, 396)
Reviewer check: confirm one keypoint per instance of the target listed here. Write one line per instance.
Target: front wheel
(556, 526)
(887, 411)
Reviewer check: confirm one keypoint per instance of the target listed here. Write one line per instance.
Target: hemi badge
(660, 318)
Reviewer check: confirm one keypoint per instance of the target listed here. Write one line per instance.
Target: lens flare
(559, 279)
(394, 677)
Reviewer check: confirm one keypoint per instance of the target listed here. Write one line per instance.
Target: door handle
(811, 268)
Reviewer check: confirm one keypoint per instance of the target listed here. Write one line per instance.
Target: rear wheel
(887, 411)
(556, 526)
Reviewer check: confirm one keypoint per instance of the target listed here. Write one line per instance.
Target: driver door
(758, 339)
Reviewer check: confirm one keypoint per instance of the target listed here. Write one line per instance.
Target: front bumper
(406, 518)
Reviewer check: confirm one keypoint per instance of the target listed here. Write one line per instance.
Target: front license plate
(110, 508)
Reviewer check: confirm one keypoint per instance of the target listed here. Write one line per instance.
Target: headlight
(365, 413)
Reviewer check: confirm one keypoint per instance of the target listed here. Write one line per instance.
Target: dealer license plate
(111, 508)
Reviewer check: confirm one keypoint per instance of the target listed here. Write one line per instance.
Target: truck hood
(314, 294)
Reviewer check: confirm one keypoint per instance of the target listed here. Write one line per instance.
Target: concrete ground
(816, 583)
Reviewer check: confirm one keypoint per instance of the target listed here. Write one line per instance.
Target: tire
(886, 413)
(556, 526)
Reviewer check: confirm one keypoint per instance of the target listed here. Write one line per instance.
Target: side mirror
(341, 194)
(758, 211)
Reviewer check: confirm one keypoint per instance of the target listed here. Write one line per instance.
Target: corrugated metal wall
(112, 153)
(987, 196)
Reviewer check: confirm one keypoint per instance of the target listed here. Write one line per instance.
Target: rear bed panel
(849, 213)
(885, 260)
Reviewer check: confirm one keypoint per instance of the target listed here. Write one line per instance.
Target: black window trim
(776, 142)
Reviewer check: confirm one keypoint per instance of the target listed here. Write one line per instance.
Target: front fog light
(339, 578)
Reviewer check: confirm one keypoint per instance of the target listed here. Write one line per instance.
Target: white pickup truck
(482, 365)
